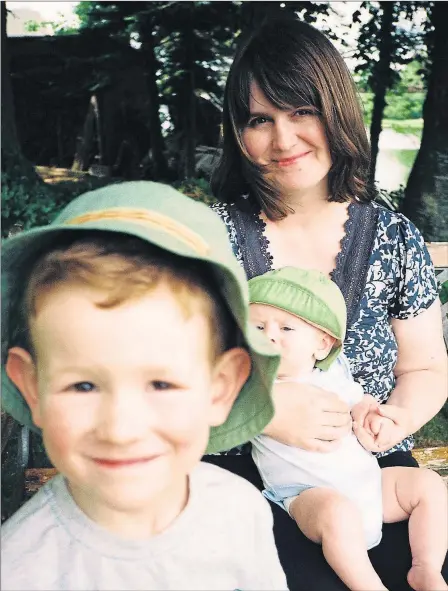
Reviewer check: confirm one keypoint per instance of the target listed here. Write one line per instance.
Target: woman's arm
(308, 417)
(421, 373)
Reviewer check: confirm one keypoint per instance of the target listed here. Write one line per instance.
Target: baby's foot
(424, 578)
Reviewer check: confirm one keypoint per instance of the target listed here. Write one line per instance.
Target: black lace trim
(344, 245)
(264, 242)
(352, 262)
(249, 234)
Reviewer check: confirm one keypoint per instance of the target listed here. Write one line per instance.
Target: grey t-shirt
(223, 540)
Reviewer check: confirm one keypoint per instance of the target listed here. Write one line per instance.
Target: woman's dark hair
(294, 65)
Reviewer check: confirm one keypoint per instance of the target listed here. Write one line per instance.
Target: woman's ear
(229, 375)
(324, 346)
(21, 370)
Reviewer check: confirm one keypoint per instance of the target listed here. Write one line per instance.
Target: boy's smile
(125, 397)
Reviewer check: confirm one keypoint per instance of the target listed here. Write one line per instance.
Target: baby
(340, 499)
(125, 341)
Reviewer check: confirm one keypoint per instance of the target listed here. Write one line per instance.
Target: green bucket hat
(162, 216)
(309, 295)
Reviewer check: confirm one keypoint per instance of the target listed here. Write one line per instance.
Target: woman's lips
(289, 161)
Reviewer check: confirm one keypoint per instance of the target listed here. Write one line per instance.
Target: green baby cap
(309, 295)
(159, 215)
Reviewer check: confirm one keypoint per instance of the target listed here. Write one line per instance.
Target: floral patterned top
(400, 283)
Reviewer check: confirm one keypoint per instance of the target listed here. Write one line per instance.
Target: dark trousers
(303, 562)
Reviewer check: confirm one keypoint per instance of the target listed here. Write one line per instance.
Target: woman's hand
(308, 417)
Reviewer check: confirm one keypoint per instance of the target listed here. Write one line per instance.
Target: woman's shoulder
(222, 209)
(396, 228)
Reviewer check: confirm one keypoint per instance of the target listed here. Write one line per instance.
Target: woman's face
(291, 144)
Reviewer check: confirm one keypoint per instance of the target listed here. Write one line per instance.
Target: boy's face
(299, 343)
(125, 396)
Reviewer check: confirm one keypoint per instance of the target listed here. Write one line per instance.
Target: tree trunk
(381, 81)
(84, 143)
(425, 200)
(190, 96)
(159, 166)
(13, 160)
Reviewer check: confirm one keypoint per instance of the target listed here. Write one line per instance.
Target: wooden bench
(439, 254)
(435, 458)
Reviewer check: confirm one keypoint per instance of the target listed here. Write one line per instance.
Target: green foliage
(400, 107)
(25, 202)
(28, 204)
(406, 157)
(435, 432)
(407, 126)
(443, 294)
(403, 45)
(404, 106)
(197, 189)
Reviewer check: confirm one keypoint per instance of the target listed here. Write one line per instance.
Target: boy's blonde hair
(126, 268)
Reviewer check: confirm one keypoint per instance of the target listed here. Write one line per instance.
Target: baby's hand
(374, 429)
(367, 422)
(360, 410)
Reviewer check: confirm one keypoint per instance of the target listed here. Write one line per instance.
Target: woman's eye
(83, 387)
(256, 121)
(303, 112)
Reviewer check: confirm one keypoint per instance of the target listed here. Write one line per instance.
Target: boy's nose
(122, 420)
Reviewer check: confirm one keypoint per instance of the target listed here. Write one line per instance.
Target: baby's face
(296, 340)
(125, 395)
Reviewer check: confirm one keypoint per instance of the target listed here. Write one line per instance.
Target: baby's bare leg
(328, 518)
(421, 495)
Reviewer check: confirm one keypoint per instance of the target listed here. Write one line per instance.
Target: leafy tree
(382, 46)
(133, 22)
(15, 167)
(196, 42)
(425, 200)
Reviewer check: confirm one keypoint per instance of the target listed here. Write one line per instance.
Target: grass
(405, 157)
(406, 126)
(434, 433)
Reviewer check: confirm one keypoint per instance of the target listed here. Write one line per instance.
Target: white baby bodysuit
(350, 469)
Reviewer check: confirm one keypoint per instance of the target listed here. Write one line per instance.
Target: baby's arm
(370, 426)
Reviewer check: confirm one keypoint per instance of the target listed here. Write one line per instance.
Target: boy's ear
(21, 370)
(324, 346)
(229, 375)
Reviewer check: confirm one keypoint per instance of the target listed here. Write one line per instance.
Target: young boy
(126, 340)
(340, 499)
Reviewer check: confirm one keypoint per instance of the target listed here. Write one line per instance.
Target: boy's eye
(259, 327)
(160, 385)
(83, 387)
(287, 328)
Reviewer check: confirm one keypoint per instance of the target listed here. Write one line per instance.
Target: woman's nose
(285, 135)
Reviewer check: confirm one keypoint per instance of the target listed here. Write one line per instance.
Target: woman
(293, 190)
